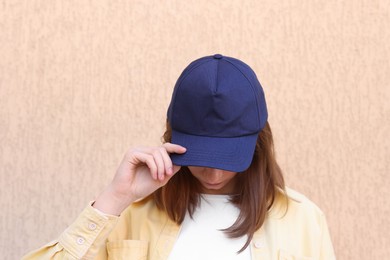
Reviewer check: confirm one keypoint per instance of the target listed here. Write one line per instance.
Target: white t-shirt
(200, 238)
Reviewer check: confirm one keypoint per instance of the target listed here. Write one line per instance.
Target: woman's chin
(215, 188)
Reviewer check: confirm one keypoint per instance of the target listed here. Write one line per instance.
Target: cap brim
(227, 153)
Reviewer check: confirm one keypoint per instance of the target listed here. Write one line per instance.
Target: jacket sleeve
(326, 250)
(84, 239)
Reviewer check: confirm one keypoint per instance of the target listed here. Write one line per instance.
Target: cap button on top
(217, 56)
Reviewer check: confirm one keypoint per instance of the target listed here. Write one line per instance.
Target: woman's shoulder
(292, 205)
(298, 225)
(301, 200)
(145, 207)
(138, 217)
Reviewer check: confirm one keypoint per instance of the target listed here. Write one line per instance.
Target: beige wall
(81, 81)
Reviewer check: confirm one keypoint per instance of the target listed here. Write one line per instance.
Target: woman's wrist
(109, 203)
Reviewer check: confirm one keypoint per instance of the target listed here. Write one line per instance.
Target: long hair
(256, 187)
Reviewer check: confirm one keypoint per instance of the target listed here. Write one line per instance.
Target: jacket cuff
(88, 233)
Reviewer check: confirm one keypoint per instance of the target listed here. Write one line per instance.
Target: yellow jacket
(144, 232)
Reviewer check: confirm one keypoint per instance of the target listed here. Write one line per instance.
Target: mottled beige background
(81, 81)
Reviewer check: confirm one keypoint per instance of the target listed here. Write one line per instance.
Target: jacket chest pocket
(127, 249)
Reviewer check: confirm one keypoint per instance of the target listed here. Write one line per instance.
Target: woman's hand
(142, 171)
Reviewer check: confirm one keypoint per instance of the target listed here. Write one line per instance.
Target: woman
(213, 190)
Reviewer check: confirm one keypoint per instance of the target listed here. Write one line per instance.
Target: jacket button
(92, 226)
(258, 244)
(80, 240)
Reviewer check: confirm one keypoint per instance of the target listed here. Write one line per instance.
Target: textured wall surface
(81, 81)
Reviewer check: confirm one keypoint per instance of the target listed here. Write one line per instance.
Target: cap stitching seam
(250, 83)
(216, 78)
(178, 84)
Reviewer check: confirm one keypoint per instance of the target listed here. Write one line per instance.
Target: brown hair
(257, 188)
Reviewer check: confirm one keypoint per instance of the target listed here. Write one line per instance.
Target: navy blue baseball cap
(217, 110)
